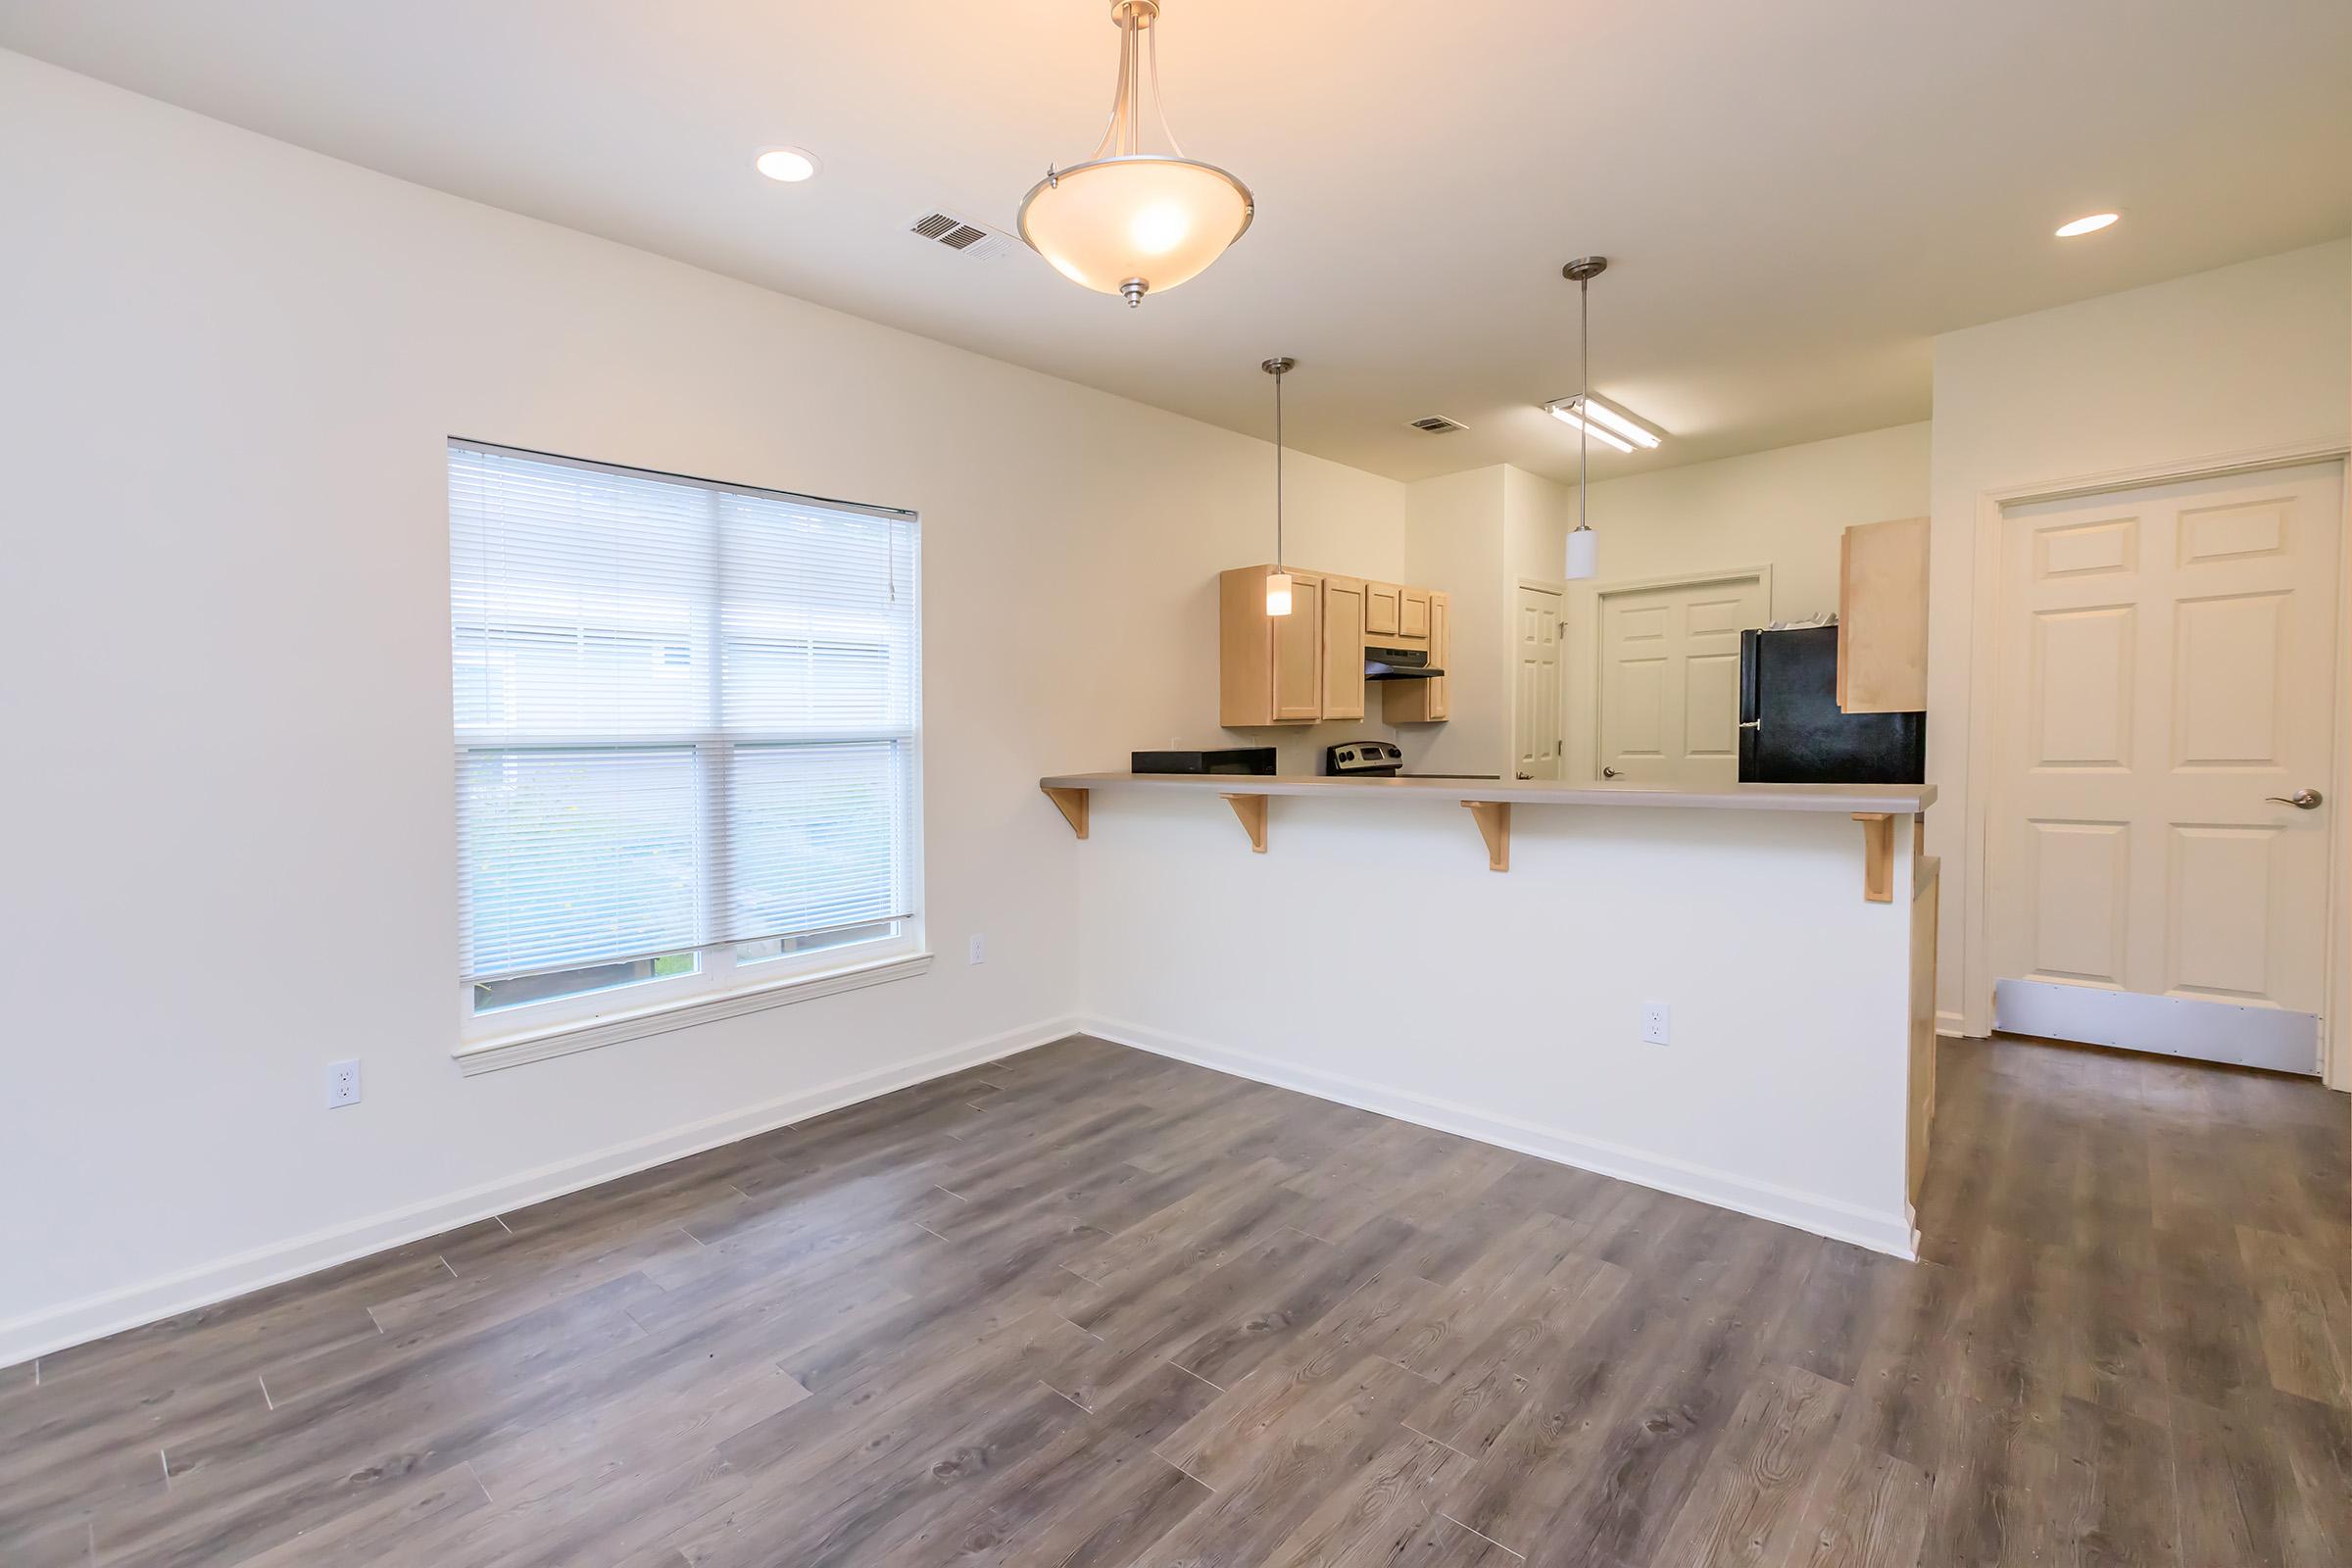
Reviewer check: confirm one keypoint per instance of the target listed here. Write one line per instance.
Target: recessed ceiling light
(788, 163)
(2086, 226)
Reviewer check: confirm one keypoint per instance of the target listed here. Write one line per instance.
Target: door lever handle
(2303, 800)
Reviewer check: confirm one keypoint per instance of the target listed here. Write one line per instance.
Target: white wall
(1454, 543)
(1513, 1014)
(2189, 375)
(1783, 509)
(224, 660)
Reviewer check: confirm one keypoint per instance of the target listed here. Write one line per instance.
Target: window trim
(719, 987)
(614, 1025)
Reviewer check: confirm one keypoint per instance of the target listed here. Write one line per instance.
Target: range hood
(1399, 664)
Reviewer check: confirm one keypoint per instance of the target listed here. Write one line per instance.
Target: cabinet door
(1343, 648)
(1379, 608)
(1425, 701)
(1882, 618)
(1412, 613)
(1299, 653)
(1439, 704)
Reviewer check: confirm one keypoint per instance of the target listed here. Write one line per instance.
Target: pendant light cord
(1584, 401)
(1278, 471)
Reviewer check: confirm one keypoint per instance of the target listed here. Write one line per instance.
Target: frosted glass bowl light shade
(1143, 219)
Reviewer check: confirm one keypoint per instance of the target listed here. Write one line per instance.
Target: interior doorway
(2166, 720)
(1668, 678)
(1535, 746)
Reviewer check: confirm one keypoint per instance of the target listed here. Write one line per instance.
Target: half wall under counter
(1368, 953)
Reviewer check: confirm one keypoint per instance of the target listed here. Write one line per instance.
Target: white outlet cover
(342, 1084)
(979, 950)
(1657, 1023)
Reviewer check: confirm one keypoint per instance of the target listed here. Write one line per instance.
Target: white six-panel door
(1670, 680)
(1536, 683)
(2166, 673)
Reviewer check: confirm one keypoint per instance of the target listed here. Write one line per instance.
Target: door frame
(1983, 728)
(1582, 725)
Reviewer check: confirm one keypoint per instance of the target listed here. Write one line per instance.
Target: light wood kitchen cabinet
(1343, 648)
(1308, 665)
(1425, 701)
(1270, 667)
(1412, 613)
(1882, 618)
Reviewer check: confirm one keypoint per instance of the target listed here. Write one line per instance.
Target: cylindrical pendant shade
(1140, 218)
(1584, 554)
(1278, 593)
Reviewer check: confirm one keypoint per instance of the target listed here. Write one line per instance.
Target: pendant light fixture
(1584, 545)
(1134, 220)
(1278, 581)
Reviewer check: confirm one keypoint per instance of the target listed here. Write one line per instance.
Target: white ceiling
(1797, 196)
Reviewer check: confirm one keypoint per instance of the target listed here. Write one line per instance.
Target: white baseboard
(94, 1317)
(1891, 1231)
(1951, 1023)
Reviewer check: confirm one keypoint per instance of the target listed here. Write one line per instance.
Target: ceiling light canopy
(2086, 226)
(790, 165)
(1131, 219)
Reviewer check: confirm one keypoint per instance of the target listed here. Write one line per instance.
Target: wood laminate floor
(1090, 1306)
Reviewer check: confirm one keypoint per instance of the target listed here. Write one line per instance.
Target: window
(687, 717)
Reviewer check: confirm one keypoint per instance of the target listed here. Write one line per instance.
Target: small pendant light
(1278, 581)
(1584, 545)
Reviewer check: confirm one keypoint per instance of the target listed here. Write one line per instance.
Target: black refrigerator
(1791, 730)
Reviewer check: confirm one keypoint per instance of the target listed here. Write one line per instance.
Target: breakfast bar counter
(1874, 806)
(1848, 797)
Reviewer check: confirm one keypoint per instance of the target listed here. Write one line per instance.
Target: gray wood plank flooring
(1088, 1307)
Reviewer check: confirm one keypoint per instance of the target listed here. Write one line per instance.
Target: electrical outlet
(1656, 1024)
(979, 948)
(342, 1084)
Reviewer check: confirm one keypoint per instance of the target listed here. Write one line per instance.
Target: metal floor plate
(2172, 1026)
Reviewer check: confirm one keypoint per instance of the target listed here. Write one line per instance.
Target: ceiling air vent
(958, 233)
(1437, 424)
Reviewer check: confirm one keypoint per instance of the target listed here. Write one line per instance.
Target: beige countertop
(1834, 798)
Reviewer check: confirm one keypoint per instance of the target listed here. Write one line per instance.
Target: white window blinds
(686, 713)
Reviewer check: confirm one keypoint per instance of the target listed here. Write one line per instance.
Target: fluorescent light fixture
(2086, 226)
(790, 165)
(1564, 411)
(1623, 424)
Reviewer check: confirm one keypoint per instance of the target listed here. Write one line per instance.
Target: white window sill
(586, 1033)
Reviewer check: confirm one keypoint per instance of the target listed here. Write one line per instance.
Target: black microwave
(1237, 759)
